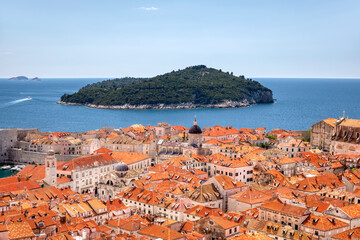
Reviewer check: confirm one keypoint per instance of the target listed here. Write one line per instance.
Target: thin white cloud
(149, 8)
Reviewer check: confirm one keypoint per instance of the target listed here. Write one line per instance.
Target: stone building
(323, 226)
(206, 195)
(195, 135)
(8, 139)
(85, 172)
(162, 129)
(124, 143)
(250, 198)
(217, 227)
(117, 181)
(346, 137)
(283, 213)
(321, 134)
(293, 147)
(50, 169)
(227, 186)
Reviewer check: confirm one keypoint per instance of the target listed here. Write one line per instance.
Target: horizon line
(272, 77)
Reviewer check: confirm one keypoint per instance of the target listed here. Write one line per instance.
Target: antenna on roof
(344, 114)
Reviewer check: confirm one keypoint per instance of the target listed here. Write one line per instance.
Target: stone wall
(8, 139)
(341, 147)
(321, 136)
(21, 156)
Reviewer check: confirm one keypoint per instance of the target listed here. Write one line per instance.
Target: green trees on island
(196, 84)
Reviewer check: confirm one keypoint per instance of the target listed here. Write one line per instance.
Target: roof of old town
(129, 157)
(323, 222)
(161, 232)
(86, 162)
(278, 206)
(251, 196)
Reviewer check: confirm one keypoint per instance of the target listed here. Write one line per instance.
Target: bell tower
(195, 135)
(50, 169)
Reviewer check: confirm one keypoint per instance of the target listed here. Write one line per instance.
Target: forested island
(192, 87)
(23, 78)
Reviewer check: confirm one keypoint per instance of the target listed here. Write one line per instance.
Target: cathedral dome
(121, 167)
(195, 129)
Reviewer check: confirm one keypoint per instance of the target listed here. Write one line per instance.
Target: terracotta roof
(352, 210)
(85, 162)
(156, 231)
(62, 179)
(115, 205)
(102, 150)
(20, 230)
(278, 206)
(188, 226)
(142, 195)
(323, 222)
(203, 211)
(227, 182)
(34, 172)
(348, 235)
(251, 196)
(221, 131)
(205, 193)
(330, 121)
(314, 184)
(350, 123)
(122, 139)
(224, 223)
(129, 157)
(96, 204)
(251, 236)
(14, 187)
(8, 180)
(177, 161)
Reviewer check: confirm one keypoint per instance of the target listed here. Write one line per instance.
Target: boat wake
(15, 102)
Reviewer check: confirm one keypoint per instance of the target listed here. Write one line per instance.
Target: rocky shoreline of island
(224, 104)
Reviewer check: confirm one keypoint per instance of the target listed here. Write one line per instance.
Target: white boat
(6, 167)
(28, 98)
(16, 168)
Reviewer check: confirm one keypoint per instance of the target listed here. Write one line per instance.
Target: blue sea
(299, 104)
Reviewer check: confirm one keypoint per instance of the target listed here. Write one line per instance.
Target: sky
(115, 38)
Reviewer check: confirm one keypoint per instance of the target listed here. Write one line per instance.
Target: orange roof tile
(251, 196)
(156, 231)
(348, 235)
(20, 230)
(278, 206)
(323, 223)
(129, 157)
(85, 161)
(227, 182)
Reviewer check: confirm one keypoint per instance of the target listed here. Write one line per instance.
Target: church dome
(121, 167)
(195, 129)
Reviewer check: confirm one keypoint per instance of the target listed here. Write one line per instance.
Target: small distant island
(23, 78)
(192, 87)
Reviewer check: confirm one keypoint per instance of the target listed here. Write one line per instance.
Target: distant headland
(23, 78)
(192, 87)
